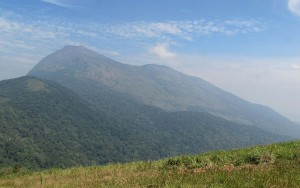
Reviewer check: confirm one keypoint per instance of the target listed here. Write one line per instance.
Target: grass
(276, 165)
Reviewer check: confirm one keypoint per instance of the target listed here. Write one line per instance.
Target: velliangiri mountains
(88, 73)
(76, 107)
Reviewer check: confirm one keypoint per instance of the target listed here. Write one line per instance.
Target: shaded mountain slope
(79, 68)
(43, 124)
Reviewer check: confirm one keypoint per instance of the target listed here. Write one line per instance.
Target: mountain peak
(77, 51)
(73, 60)
(73, 51)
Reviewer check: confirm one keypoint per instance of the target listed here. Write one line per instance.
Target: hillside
(275, 165)
(92, 75)
(43, 124)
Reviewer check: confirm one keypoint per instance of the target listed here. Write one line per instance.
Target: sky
(249, 48)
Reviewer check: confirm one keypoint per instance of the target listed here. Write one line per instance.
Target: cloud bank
(184, 29)
(294, 6)
(20, 36)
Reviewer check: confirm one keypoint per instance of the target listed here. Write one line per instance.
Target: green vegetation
(52, 126)
(36, 85)
(4, 100)
(276, 165)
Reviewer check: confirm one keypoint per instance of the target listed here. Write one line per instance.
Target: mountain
(93, 75)
(43, 124)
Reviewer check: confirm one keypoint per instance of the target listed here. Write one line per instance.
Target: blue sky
(250, 48)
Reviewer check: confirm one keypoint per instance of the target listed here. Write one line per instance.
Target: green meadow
(276, 165)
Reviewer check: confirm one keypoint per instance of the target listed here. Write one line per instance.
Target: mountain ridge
(158, 86)
(43, 125)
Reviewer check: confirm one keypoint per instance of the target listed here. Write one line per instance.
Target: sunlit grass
(276, 165)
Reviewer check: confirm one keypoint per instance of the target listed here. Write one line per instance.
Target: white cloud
(60, 3)
(87, 33)
(73, 4)
(19, 32)
(295, 66)
(10, 27)
(294, 6)
(162, 51)
(183, 29)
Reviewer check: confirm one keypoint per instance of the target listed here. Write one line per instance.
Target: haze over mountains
(77, 107)
(157, 86)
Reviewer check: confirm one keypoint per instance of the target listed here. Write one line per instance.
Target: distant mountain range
(76, 67)
(77, 107)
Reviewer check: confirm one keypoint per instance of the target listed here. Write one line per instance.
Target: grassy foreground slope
(276, 165)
